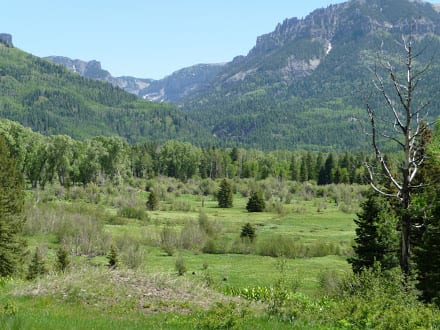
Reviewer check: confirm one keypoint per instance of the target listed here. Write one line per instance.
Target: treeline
(45, 159)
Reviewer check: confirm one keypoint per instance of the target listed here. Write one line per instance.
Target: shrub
(223, 316)
(180, 266)
(180, 205)
(212, 246)
(204, 224)
(168, 240)
(192, 237)
(82, 234)
(133, 255)
(133, 213)
(153, 201)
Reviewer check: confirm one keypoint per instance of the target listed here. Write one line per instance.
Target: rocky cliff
(6, 39)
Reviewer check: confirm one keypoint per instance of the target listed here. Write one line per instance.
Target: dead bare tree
(403, 123)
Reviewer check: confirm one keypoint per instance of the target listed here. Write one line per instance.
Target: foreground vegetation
(222, 240)
(294, 274)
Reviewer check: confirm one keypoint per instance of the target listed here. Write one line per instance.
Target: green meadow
(183, 265)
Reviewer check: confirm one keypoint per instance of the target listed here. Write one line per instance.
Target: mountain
(304, 84)
(182, 83)
(172, 88)
(93, 70)
(52, 100)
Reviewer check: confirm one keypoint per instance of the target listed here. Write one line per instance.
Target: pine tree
(376, 239)
(11, 209)
(62, 261)
(256, 202)
(152, 202)
(248, 232)
(112, 257)
(428, 259)
(293, 169)
(37, 266)
(426, 240)
(225, 196)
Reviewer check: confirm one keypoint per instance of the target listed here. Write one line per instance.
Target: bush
(133, 213)
(212, 246)
(82, 234)
(168, 240)
(133, 255)
(180, 266)
(153, 201)
(181, 205)
(223, 316)
(192, 237)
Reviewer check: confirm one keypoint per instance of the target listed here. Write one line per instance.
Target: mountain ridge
(302, 86)
(171, 88)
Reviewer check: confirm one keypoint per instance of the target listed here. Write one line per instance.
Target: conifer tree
(256, 202)
(11, 209)
(376, 238)
(112, 257)
(428, 259)
(248, 232)
(153, 201)
(62, 261)
(37, 266)
(225, 196)
(426, 234)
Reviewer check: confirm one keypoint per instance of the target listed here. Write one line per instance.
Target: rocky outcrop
(182, 83)
(172, 88)
(93, 70)
(6, 39)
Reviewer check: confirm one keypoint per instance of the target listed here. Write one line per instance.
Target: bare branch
(373, 185)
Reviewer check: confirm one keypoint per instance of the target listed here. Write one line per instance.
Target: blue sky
(145, 38)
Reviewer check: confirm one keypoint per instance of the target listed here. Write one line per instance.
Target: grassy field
(145, 290)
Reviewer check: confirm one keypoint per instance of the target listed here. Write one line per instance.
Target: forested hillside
(305, 85)
(52, 100)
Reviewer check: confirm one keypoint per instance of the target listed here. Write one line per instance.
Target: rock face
(93, 70)
(6, 39)
(172, 88)
(182, 83)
